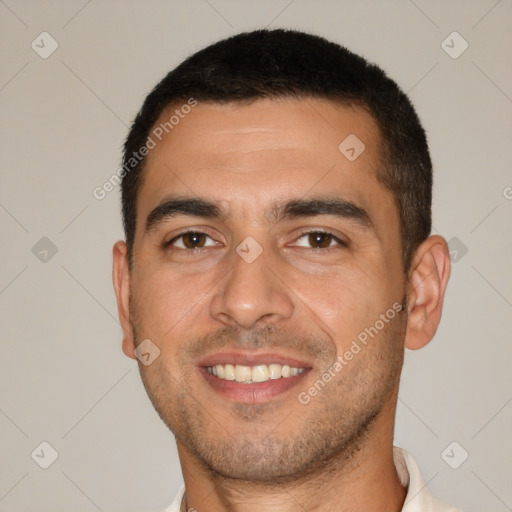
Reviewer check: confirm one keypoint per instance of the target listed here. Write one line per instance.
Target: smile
(252, 377)
(253, 374)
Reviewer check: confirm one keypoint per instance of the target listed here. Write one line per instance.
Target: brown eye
(320, 240)
(191, 240)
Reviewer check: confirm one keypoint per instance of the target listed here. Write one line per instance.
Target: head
(277, 210)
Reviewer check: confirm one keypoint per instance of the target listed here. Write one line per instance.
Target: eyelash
(340, 242)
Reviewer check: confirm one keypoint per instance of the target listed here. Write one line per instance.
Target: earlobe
(427, 286)
(121, 281)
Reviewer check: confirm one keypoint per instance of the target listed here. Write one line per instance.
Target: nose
(252, 293)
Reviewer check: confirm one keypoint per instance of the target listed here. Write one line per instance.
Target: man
(277, 208)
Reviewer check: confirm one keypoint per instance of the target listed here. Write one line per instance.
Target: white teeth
(243, 373)
(220, 371)
(274, 371)
(250, 374)
(229, 372)
(260, 373)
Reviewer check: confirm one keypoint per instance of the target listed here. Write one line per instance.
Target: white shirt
(418, 497)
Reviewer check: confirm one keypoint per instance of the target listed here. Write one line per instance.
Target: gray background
(64, 379)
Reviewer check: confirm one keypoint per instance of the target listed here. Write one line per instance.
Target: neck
(365, 481)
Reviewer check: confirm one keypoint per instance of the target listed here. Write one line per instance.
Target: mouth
(252, 374)
(250, 378)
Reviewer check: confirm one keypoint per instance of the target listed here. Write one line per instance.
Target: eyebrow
(295, 208)
(334, 206)
(196, 207)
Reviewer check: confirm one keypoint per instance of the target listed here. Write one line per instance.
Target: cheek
(172, 302)
(162, 300)
(347, 302)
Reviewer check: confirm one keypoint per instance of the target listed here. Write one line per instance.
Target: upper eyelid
(187, 230)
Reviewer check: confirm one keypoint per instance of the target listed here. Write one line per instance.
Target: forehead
(245, 155)
(222, 131)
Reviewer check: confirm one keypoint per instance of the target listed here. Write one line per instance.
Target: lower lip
(252, 393)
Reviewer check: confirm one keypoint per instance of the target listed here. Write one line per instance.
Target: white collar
(418, 498)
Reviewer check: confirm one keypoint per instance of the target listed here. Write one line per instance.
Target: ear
(121, 279)
(430, 271)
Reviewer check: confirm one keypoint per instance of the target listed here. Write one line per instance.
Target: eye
(319, 240)
(190, 240)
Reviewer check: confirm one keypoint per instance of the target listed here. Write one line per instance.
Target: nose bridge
(252, 291)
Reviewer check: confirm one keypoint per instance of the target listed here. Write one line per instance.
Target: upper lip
(251, 359)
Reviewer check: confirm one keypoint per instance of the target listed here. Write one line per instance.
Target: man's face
(300, 256)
